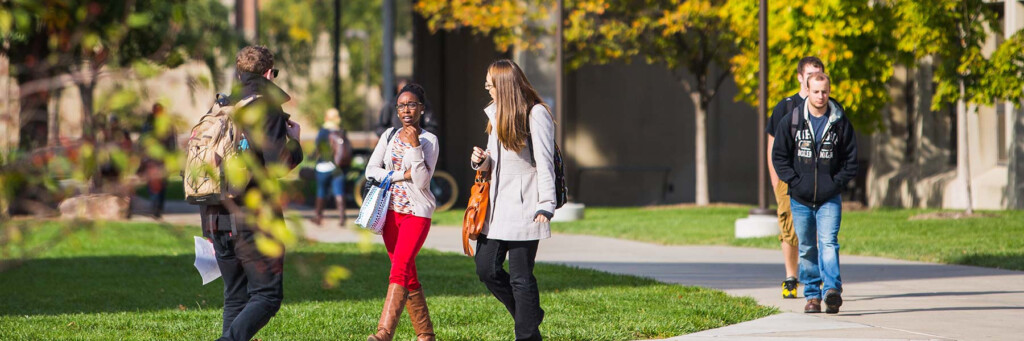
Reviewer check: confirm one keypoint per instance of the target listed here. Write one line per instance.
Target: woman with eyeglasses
(409, 154)
(520, 159)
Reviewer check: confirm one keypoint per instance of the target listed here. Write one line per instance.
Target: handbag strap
(387, 181)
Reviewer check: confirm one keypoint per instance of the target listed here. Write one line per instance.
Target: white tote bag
(375, 206)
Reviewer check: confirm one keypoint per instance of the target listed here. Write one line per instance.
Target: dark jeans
(158, 198)
(253, 283)
(518, 291)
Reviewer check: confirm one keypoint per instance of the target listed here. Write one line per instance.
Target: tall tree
(953, 33)
(691, 39)
(511, 23)
(852, 37)
(48, 38)
(291, 28)
(1005, 82)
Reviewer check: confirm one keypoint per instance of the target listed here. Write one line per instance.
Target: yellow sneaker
(789, 287)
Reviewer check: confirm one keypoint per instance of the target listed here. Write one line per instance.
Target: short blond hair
(254, 59)
(818, 77)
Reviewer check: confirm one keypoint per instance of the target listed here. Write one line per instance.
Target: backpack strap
(529, 143)
(391, 134)
(248, 100)
(794, 121)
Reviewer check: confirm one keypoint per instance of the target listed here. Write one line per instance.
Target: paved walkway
(884, 299)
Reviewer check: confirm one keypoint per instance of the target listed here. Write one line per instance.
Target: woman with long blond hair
(520, 161)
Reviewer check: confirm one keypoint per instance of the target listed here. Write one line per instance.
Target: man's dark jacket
(815, 172)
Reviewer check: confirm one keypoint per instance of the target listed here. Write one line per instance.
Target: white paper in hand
(206, 260)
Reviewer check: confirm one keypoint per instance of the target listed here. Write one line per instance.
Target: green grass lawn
(995, 241)
(136, 281)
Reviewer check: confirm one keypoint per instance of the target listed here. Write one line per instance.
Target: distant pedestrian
(159, 130)
(333, 152)
(409, 153)
(116, 142)
(817, 159)
(787, 238)
(520, 160)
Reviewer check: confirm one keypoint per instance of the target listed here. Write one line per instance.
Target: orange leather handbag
(476, 211)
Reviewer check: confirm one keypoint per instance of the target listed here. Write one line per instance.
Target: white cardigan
(521, 189)
(421, 160)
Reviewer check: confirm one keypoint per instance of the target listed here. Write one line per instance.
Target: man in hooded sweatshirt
(817, 157)
(253, 281)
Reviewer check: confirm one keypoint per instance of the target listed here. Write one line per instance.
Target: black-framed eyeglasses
(274, 72)
(409, 106)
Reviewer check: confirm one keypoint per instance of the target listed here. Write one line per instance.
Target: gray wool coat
(521, 188)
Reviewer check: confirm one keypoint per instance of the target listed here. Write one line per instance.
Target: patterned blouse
(400, 202)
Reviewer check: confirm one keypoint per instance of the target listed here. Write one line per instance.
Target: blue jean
(327, 183)
(818, 232)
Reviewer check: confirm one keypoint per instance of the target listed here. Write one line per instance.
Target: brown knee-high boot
(393, 304)
(420, 315)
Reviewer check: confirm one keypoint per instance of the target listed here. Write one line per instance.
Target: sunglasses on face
(274, 72)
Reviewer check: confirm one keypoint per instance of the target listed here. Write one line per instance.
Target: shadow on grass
(145, 283)
(1010, 261)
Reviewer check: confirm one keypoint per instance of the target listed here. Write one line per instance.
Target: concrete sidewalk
(884, 299)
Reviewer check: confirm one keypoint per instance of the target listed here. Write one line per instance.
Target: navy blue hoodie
(815, 173)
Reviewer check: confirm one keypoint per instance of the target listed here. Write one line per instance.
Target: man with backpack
(787, 238)
(817, 156)
(260, 129)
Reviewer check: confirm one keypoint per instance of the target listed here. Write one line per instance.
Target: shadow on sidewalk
(729, 276)
(903, 311)
(928, 294)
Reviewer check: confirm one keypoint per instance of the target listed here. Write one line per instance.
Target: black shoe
(789, 287)
(833, 300)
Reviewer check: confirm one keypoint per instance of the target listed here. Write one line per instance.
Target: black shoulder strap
(794, 120)
(392, 134)
(790, 104)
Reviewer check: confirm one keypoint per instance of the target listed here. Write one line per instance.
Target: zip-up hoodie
(815, 173)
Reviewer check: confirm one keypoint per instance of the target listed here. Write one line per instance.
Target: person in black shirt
(787, 238)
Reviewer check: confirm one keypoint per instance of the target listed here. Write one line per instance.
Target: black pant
(253, 282)
(518, 291)
(158, 198)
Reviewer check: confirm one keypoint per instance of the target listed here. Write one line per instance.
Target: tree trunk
(86, 90)
(1015, 183)
(700, 144)
(53, 121)
(963, 160)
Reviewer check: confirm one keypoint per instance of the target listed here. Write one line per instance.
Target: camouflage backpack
(214, 140)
